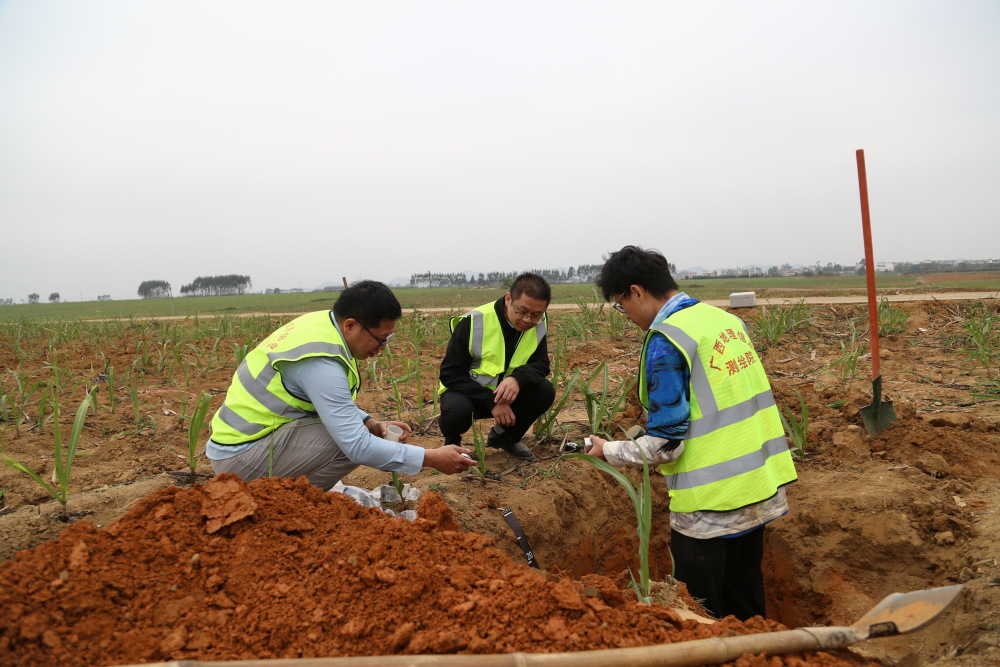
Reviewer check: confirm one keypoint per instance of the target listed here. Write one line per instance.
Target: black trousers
(458, 410)
(722, 571)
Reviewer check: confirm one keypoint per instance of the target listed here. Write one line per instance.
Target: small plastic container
(742, 299)
(393, 433)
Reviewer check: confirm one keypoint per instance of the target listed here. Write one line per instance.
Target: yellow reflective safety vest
(486, 345)
(735, 451)
(257, 401)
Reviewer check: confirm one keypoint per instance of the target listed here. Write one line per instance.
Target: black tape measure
(522, 541)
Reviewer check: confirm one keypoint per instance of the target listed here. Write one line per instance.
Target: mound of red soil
(278, 569)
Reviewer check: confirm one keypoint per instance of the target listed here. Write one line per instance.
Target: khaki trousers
(300, 447)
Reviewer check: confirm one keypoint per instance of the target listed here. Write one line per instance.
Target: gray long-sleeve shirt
(323, 382)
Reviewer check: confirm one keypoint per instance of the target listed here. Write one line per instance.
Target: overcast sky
(298, 142)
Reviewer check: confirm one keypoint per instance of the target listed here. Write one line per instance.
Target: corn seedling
(397, 483)
(63, 457)
(240, 352)
(370, 372)
(574, 329)
(558, 358)
(616, 325)
(420, 392)
(891, 319)
(642, 502)
(133, 394)
(796, 428)
(545, 424)
(25, 390)
(58, 375)
(397, 397)
(43, 406)
(772, 323)
(479, 445)
(798, 314)
(113, 400)
(194, 432)
(847, 362)
(603, 405)
(983, 334)
(141, 420)
(212, 357)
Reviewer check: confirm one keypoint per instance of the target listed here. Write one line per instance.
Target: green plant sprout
(194, 432)
(847, 362)
(113, 400)
(479, 445)
(602, 406)
(641, 496)
(891, 319)
(545, 423)
(772, 323)
(983, 334)
(43, 406)
(133, 394)
(796, 428)
(397, 483)
(63, 457)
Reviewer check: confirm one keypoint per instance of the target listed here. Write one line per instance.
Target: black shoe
(516, 449)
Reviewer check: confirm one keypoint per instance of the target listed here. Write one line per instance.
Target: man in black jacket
(496, 365)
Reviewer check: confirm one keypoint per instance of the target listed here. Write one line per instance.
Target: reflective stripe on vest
(486, 345)
(735, 451)
(257, 401)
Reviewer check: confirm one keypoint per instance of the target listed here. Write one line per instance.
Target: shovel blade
(905, 612)
(880, 413)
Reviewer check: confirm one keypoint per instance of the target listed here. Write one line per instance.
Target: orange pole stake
(866, 225)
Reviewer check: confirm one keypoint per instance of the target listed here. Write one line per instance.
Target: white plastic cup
(393, 433)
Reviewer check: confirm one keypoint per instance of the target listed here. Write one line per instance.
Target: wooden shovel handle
(866, 225)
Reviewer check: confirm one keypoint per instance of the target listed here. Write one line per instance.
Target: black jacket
(457, 360)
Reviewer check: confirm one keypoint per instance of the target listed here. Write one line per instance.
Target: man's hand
(378, 428)
(503, 414)
(597, 447)
(506, 391)
(448, 459)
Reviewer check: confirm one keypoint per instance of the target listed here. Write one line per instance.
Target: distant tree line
(584, 273)
(154, 289)
(946, 267)
(7, 302)
(217, 286)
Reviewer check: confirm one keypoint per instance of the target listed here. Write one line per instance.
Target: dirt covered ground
(913, 508)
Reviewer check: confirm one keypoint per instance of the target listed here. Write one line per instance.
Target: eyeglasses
(534, 317)
(618, 302)
(380, 341)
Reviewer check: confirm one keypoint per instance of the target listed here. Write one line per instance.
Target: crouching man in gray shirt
(290, 409)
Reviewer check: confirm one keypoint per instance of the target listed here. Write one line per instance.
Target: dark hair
(634, 266)
(368, 302)
(532, 285)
